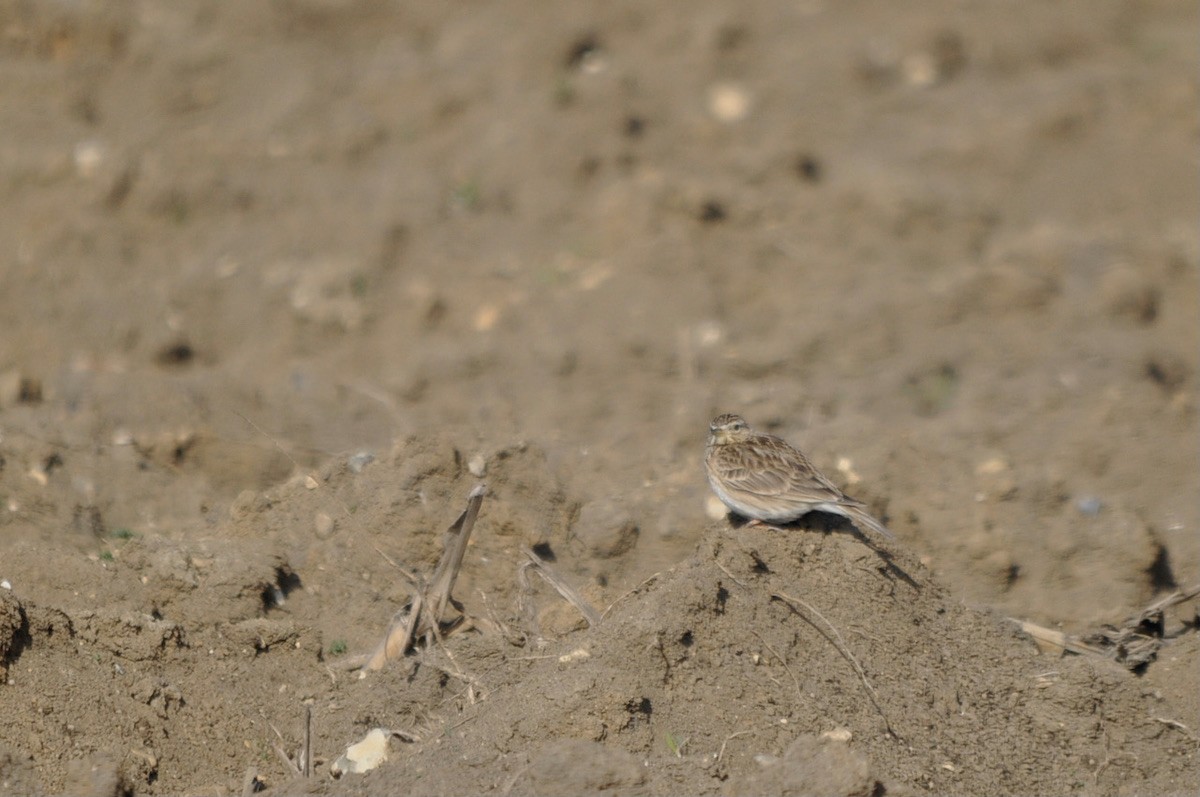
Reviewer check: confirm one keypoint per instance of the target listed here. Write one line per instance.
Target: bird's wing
(739, 475)
(808, 484)
(819, 483)
(773, 469)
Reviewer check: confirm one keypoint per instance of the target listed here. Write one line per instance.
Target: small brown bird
(762, 477)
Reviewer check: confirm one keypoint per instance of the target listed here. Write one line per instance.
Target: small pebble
(1089, 505)
(708, 333)
(714, 508)
(919, 69)
(991, 467)
(364, 755)
(360, 461)
(323, 525)
(728, 102)
(88, 156)
(579, 654)
(477, 466)
(846, 467)
(486, 317)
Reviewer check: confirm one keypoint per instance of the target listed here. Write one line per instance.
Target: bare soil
(283, 281)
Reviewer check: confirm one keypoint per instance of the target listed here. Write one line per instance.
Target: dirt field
(282, 281)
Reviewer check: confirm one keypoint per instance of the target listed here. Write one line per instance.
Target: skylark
(761, 477)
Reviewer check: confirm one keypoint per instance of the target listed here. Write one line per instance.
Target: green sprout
(467, 195)
(675, 745)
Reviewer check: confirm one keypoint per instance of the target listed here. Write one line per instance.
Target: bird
(764, 478)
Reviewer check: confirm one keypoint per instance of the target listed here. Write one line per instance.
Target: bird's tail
(861, 518)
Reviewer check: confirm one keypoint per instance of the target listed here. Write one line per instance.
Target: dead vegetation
(1134, 644)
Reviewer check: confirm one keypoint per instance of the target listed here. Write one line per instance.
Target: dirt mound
(802, 661)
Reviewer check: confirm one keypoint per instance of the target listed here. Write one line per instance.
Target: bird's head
(728, 428)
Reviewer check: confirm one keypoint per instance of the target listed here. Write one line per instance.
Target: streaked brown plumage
(762, 477)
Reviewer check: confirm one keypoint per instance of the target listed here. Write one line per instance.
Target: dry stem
(423, 616)
(554, 579)
(782, 661)
(840, 644)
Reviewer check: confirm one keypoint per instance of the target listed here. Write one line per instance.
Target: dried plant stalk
(569, 593)
(423, 615)
(1135, 644)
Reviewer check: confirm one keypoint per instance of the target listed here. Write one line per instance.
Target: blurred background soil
(283, 281)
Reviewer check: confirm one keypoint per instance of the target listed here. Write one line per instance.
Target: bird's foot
(762, 524)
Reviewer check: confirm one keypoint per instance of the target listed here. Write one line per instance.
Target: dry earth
(283, 281)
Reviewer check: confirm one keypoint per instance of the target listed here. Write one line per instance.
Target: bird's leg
(760, 524)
